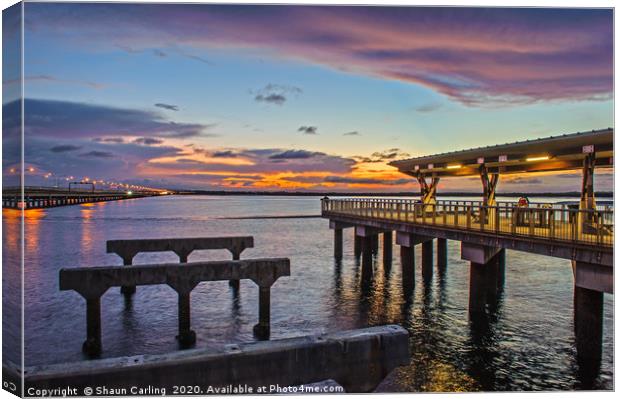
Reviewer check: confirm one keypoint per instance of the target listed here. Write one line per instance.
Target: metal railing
(545, 221)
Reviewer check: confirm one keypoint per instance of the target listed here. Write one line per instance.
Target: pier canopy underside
(556, 153)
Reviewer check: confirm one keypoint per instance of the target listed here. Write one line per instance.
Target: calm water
(528, 344)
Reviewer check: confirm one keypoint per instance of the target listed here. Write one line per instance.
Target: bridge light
(454, 166)
(534, 159)
(129, 192)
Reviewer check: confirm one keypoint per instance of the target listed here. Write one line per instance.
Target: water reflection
(524, 340)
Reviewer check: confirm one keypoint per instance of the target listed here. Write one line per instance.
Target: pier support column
(367, 247)
(183, 256)
(442, 253)
(407, 261)
(92, 345)
(591, 282)
(357, 246)
(387, 249)
(183, 285)
(375, 244)
(407, 242)
(485, 278)
(369, 237)
(338, 243)
(186, 336)
(262, 329)
(128, 290)
(427, 260)
(588, 308)
(234, 283)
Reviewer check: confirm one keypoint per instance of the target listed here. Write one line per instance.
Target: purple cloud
(63, 119)
(473, 55)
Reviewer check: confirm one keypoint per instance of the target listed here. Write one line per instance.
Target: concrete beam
(94, 281)
(183, 247)
(594, 277)
(364, 231)
(480, 254)
(410, 240)
(335, 225)
(358, 360)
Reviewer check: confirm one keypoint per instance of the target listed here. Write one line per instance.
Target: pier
(486, 228)
(183, 247)
(49, 197)
(92, 282)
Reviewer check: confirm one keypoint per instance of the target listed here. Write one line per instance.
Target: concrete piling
(387, 249)
(427, 260)
(338, 243)
(234, 283)
(588, 323)
(367, 249)
(375, 244)
(485, 284)
(442, 253)
(92, 345)
(357, 245)
(262, 329)
(186, 337)
(407, 261)
(128, 290)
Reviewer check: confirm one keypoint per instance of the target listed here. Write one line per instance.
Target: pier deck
(552, 231)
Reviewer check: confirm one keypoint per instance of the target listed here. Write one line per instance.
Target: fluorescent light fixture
(453, 166)
(534, 159)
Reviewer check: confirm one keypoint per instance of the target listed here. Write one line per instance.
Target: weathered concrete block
(357, 359)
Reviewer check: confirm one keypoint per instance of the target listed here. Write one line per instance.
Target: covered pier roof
(553, 153)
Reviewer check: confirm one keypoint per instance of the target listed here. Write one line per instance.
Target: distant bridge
(49, 197)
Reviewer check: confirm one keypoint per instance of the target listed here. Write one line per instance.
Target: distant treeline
(603, 194)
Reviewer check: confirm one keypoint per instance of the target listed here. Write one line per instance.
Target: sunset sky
(298, 97)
